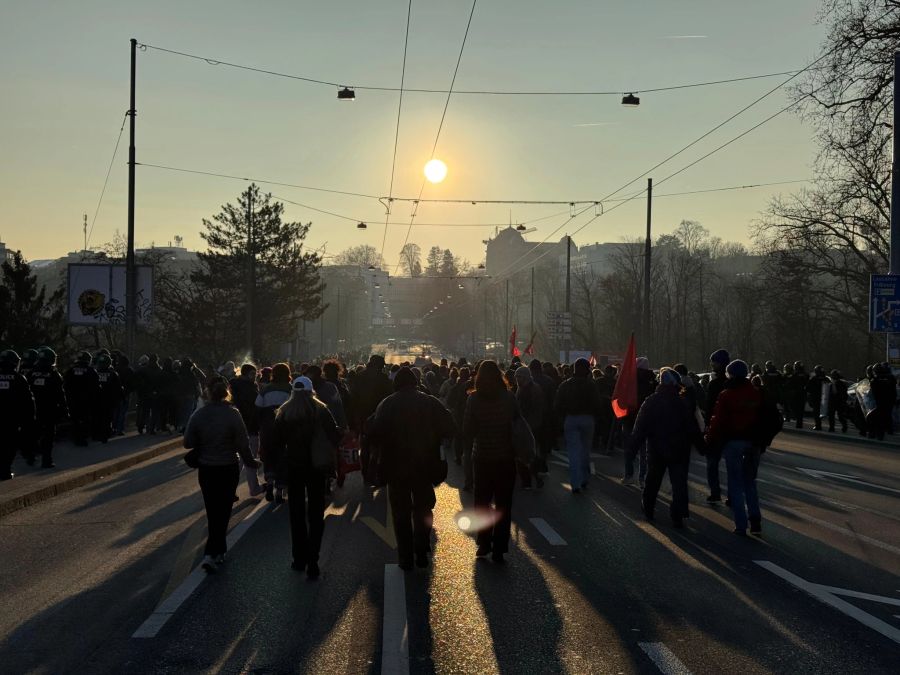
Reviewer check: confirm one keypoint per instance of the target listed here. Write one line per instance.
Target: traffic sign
(884, 304)
(559, 325)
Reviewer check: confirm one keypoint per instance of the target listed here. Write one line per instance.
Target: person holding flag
(634, 384)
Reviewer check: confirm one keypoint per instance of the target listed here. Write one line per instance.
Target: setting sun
(435, 171)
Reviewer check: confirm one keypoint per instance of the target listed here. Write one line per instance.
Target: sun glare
(435, 171)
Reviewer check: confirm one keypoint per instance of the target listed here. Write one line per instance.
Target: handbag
(192, 458)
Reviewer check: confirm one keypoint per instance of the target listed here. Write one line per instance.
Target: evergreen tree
(28, 318)
(433, 262)
(254, 258)
(449, 266)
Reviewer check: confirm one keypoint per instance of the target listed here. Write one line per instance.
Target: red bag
(348, 456)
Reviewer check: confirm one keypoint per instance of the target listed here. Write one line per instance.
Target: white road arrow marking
(386, 531)
(816, 473)
(828, 595)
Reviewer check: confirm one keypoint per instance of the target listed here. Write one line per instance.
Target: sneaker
(740, 532)
(220, 559)
(756, 527)
(628, 480)
(208, 564)
(714, 499)
(483, 550)
(312, 570)
(728, 501)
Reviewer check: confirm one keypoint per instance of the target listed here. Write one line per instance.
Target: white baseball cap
(303, 384)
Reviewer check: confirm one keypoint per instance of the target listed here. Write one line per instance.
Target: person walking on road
(718, 361)
(271, 397)
(218, 435)
(667, 424)
(733, 431)
(531, 402)
(577, 405)
(244, 391)
(410, 426)
(303, 427)
(488, 421)
(83, 388)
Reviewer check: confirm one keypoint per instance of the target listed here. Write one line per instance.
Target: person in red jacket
(733, 428)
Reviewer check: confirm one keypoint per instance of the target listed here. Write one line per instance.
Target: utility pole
(130, 275)
(568, 288)
(337, 323)
(892, 338)
(506, 318)
(84, 250)
(647, 250)
(251, 273)
(532, 300)
(484, 325)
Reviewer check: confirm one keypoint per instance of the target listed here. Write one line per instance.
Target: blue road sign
(884, 304)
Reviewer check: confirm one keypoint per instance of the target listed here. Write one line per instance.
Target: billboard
(96, 294)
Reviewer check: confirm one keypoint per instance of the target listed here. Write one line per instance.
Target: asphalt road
(589, 586)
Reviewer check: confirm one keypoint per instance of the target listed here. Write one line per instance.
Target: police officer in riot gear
(796, 387)
(50, 402)
(83, 391)
(837, 403)
(26, 365)
(110, 397)
(814, 394)
(16, 412)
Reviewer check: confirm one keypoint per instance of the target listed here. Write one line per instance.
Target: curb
(855, 439)
(83, 478)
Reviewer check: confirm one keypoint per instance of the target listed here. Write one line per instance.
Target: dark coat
(668, 424)
(577, 396)
(488, 424)
(409, 426)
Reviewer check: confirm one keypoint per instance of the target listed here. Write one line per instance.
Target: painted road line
(816, 473)
(825, 595)
(395, 633)
(170, 605)
(549, 533)
(664, 659)
(847, 593)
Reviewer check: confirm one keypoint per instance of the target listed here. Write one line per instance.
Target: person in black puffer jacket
(669, 427)
(270, 398)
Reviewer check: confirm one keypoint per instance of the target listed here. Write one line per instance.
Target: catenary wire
(387, 214)
(106, 181)
(469, 92)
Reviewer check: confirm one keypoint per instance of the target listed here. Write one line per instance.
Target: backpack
(769, 425)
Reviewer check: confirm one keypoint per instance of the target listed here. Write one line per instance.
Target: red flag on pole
(529, 350)
(513, 350)
(593, 360)
(625, 395)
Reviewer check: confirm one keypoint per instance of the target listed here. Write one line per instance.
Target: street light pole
(568, 287)
(895, 196)
(251, 280)
(130, 272)
(647, 252)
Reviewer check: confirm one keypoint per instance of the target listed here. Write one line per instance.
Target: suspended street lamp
(630, 100)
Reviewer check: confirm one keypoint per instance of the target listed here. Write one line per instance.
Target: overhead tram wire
(106, 181)
(464, 92)
(437, 136)
(689, 145)
(387, 214)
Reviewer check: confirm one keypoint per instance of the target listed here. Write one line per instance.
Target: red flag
(529, 350)
(513, 350)
(593, 360)
(625, 395)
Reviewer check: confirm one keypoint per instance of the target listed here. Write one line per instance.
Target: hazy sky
(64, 90)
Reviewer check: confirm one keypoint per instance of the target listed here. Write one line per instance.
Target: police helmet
(102, 360)
(756, 369)
(770, 365)
(9, 359)
(46, 357)
(836, 374)
(83, 359)
(29, 357)
(105, 351)
(819, 370)
(788, 368)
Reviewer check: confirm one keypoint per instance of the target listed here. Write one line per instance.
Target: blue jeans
(579, 432)
(742, 463)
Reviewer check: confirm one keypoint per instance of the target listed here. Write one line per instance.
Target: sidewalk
(76, 467)
(852, 435)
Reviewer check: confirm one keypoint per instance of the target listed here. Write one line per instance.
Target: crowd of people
(501, 423)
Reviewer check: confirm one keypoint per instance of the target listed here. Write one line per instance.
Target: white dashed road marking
(665, 660)
(395, 633)
(549, 533)
(170, 605)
